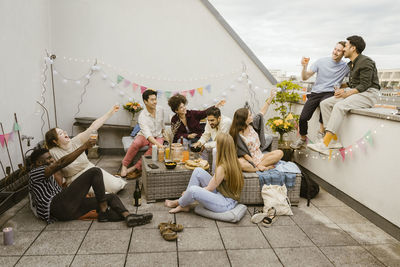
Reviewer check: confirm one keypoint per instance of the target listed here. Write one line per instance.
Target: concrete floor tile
(389, 254)
(310, 256)
(190, 220)
(104, 260)
(22, 240)
(253, 257)
(39, 261)
(109, 226)
(245, 221)
(203, 258)
(105, 241)
(243, 238)
(152, 259)
(284, 221)
(158, 217)
(199, 239)
(57, 243)
(69, 226)
(286, 236)
(8, 261)
(328, 235)
(368, 234)
(309, 215)
(343, 215)
(26, 221)
(154, 206)
(324, 199)
(350, 256)
(150, 240)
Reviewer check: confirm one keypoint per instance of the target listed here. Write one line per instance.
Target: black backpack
(308, 189)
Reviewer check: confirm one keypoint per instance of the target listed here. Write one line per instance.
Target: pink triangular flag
(342, 152)
(350, 149)
(126, 83)
(192, 92)
(184, 93)
(2, 140)
(361, 145)
(7, 137)
(134, 86)
(142, 89)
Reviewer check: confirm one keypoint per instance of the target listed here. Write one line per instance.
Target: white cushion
(233, 215)
(127, 141)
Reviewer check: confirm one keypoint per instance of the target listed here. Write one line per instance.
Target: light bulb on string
(55, 72)
(65, 81)
(232, 87)
(244, 74)
(121, 93)
(104, 76)
(249, 82)
(256, 88)
(224, 94)
(265, 91)
(240, 79)
(112, 85)
(87, 76)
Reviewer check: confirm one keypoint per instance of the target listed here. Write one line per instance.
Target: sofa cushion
(127, 141)
(233, 215)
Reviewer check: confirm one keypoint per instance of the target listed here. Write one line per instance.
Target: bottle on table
(137, 195)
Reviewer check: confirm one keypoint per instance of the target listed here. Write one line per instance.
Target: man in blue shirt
(330, 72)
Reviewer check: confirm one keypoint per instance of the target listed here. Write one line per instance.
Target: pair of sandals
(168, 230)
(267, 219)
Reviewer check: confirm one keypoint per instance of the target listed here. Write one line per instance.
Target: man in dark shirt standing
(360, 92)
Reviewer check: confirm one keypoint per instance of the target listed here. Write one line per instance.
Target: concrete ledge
(372, 216)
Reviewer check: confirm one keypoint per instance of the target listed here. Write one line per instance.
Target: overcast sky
(280, 32)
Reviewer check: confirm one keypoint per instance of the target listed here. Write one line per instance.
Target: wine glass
(94, 135)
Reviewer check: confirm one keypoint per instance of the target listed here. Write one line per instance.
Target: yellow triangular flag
(200, 90)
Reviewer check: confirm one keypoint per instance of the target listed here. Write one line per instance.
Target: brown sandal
(173, 226)
(168, 234)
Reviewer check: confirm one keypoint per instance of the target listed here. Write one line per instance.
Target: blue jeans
(195, 190)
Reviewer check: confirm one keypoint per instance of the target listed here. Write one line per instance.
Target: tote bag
(276, 196)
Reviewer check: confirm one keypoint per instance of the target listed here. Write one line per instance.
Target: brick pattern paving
(328, 233)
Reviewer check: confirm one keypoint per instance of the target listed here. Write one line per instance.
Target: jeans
(71, 203)
(195, 190)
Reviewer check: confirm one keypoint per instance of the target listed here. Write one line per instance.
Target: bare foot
(124, 171)
(269, 167)
(171, 203)
(130, 170)
(261, 168)
(179, 209)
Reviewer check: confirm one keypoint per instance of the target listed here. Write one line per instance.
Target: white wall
(24, 28)
(372, 178)
(172, 39)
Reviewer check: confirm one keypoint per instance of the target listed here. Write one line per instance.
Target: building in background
(389, 78)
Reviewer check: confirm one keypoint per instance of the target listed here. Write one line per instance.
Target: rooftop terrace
(328, 233)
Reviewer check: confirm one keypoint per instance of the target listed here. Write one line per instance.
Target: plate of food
(192, 164)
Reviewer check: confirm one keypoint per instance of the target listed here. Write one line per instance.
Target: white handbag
(276, 196)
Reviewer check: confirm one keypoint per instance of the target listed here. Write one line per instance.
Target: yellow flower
(129, 104)
(289, 117)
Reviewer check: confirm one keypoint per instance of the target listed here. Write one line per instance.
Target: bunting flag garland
(342, 152)
(350, 149)
(16, 127)
(6, 138)
(368, 137)
(159, 94)
(126, 83)
(134, 86)
(192, 91)
(119, 78)
(142, 89)
(360, 144)
(184, 93)
(200, 90)
(167, 94)
(208, 88)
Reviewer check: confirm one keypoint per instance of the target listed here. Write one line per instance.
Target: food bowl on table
(195, 149)
(170, 165)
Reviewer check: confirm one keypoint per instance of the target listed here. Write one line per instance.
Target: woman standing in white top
(59, 145)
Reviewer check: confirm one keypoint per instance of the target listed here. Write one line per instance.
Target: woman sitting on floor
(218, 193)
(59, 144)
(52, 203)
(188, 120)
(248, 133)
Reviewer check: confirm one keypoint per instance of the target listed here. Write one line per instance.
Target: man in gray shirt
(362, 92)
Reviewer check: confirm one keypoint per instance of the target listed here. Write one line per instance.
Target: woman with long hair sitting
(218, 193)
(248, 133)
(60, 144)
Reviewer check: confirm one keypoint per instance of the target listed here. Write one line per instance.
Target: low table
(162, 183)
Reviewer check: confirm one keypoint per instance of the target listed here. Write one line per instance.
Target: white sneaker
(320, 137)
(334, 145)
(319, 147)
(300, 143)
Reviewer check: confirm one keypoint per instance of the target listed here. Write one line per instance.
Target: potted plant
(134, 108)
(285, 97)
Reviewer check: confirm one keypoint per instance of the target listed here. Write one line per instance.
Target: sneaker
(300, 143)
(320, 137)
(319, 147)
(334, 145)
(133, 220)
(109, 216)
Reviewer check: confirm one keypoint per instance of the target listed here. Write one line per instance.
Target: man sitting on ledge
(151, 122)
(363, 92)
